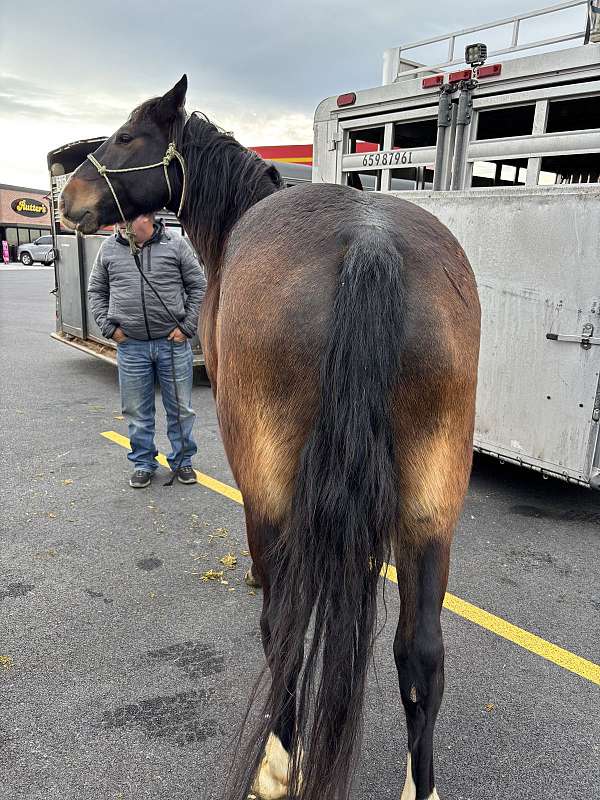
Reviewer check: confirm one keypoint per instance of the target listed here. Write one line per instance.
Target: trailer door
(535, 253)
(70, 285)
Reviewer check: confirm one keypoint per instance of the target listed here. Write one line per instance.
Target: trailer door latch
(332, 144)
(586, 339)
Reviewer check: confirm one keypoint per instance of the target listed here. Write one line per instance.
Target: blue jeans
(141, 364)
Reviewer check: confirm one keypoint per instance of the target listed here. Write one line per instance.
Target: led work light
(476, 54)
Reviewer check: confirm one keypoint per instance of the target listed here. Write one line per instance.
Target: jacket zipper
(144, 298)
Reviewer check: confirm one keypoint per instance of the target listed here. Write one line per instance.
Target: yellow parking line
(205, 480)
(506, 630)
(529, 641)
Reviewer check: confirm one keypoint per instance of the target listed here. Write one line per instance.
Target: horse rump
(329, 557)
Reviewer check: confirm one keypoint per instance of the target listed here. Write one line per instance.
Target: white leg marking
(271, 782)
(410, 790)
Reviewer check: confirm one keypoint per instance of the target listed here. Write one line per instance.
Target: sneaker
(186, 475)
(140, 479)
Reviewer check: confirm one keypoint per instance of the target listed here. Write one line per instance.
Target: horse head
(116, 181)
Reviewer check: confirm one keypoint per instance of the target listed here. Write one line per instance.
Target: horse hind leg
(273, 777)
(271, 781)
(434, 474)
(434, 465)
(419, 656)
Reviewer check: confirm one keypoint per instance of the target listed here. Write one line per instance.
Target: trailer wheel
(26, 259)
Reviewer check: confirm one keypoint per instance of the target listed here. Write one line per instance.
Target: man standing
(150, 347)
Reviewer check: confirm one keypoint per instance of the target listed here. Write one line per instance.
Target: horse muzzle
(78, 206)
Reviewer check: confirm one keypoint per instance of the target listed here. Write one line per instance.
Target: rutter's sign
(28, 207)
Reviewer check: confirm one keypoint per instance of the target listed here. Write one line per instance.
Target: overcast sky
(72, 69)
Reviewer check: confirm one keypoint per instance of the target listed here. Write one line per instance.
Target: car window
(44, 240)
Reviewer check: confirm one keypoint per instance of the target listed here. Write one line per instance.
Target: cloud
(35, 121)
(257, 69)
(18, 95)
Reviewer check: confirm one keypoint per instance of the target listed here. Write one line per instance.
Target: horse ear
(173, 101)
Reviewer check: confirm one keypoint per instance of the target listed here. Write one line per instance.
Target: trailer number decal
(387, 159)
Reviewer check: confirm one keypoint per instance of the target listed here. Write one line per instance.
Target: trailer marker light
(433, 81)
(347, 99)
(489, 71)
(461, 75)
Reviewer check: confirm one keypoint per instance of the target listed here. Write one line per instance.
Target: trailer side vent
(503, 123)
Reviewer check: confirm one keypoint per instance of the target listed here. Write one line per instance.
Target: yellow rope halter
(170, 154)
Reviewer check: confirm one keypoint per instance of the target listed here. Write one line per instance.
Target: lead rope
(104, 171)
(135, 250)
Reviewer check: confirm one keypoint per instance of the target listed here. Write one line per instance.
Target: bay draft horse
(341, 336)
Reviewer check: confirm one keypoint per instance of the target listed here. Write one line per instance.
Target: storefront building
(24, 216)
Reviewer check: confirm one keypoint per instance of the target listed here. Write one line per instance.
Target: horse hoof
(252, 580)
(271, 782)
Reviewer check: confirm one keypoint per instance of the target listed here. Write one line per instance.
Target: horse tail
(343, 512)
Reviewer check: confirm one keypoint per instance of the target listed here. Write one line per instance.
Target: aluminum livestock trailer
(504, 147)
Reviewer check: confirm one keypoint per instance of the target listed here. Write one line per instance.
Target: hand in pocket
(119, 336)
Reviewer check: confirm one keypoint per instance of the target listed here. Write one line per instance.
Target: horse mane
(224, 179)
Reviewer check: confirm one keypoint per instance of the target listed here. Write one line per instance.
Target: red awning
(300, 153)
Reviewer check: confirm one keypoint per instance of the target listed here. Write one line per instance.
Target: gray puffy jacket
(120, 298)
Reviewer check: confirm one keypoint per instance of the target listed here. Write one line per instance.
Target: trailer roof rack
(396, 66)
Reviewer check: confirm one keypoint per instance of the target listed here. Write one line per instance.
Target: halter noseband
(170, 154)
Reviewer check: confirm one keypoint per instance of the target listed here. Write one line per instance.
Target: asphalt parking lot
(124, 675)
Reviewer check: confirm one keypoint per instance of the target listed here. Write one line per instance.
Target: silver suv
(38, 250)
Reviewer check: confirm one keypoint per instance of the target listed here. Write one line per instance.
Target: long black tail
(344, 508)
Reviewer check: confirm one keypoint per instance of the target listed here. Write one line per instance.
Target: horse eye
(124, 138)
